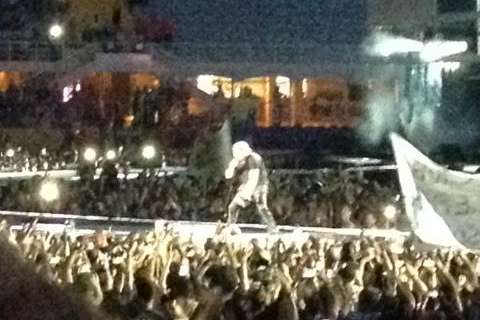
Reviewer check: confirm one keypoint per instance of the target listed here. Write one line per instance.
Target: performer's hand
(231, 169)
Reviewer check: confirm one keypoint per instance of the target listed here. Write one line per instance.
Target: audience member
(159, 275)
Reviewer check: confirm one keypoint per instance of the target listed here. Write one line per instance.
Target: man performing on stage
(247, 167)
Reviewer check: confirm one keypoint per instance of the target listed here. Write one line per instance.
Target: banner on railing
(442, 205)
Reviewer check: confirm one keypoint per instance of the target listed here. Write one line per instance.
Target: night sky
(259, 21)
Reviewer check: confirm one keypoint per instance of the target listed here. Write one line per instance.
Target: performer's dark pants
(260, 201)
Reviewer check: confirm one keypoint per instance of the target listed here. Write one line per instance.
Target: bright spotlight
(435, 50)
(390, 212)
(111, 154)
(10, 153)
(90, 154)
(148, 152)
(49, 191)
(386, 45)
(55, 31)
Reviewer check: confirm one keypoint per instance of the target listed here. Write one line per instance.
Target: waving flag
(442, 205)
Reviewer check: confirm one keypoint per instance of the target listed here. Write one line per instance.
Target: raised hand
(245, 253)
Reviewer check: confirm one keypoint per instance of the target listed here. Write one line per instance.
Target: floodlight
(90, 154)
(387, 46)
(111, 154)
(148, 152)
(390, 212)
(55, 31)
(435, 50)
(49, 191)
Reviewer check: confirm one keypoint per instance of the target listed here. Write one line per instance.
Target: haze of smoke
(380, 118)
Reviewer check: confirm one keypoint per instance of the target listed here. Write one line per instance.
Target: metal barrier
(30, 51)
(187, 52)
(350, 169)
(35, 51)
(267, 53)
(284, 54)
(72, 174)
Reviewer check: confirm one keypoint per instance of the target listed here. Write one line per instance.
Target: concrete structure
(405, 16)
(270, 72)
(437, 105)
(449, 19)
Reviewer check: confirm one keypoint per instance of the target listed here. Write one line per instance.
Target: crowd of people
(159, 112)
(328, 200)
(159, 275)
(43, 102)
(66, 125)
(16, 158)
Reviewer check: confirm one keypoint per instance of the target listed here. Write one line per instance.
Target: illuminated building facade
(434, 96)
(322, 84)
(285, 102)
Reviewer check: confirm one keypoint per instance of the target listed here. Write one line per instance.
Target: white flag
(442, 205)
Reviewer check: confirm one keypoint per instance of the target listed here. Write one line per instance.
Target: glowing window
(283, 84)
(206, 83)
(67, 93)
(304, 87)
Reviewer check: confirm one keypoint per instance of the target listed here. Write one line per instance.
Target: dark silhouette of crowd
(76, 115)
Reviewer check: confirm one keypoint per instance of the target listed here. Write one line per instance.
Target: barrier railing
(189, 52)
(35, 51)
(72, 174)
(30, 51)
(267, 53)
(306, 53)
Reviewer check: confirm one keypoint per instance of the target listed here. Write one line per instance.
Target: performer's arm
(231, 169)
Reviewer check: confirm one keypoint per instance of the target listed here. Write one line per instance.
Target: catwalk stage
(198, 232)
